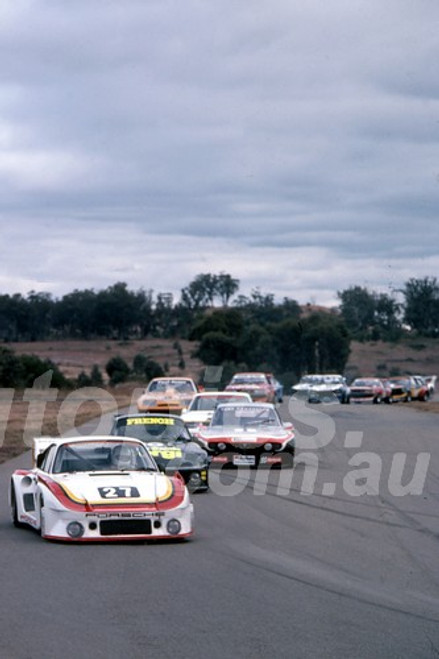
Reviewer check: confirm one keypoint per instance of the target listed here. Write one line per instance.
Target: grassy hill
(410, 356)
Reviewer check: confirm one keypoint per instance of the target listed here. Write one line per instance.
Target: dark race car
(170, 443)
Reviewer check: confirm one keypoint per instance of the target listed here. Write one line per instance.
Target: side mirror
(288, 425)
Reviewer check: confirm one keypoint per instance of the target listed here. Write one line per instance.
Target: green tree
(256, 348)
(326, 343)
(33, 367)
(422, 305)
(96, 379)
(75, 315)
(226, 286)
(387, 317)
(227, 321)
(117, 370)
(11, 370)
(358, 310)
(287, 337)
(217, 347)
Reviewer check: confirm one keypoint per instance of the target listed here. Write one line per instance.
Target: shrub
(22, 371)
(83, 380)
(117, 370)
(153, 370)
(96, 377)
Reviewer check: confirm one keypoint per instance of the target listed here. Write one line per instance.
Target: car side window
(46, 459)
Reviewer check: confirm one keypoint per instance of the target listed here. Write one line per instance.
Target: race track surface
(324, 560)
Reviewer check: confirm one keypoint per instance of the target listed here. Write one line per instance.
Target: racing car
(316, 388)
(259, 385)
(202, 406)
(371, 390)
(170, 443)
(248, 434)
(97, 488)
(168, 395)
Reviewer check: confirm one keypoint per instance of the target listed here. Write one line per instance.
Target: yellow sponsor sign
(150, 420)
(166, 453)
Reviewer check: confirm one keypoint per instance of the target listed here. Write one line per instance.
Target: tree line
(237, 331)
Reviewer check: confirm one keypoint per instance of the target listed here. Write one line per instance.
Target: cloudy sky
(290, 143)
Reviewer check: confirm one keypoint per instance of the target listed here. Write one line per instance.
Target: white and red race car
(93, 488)
(248, 434)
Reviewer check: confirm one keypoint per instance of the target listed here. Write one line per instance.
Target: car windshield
(182, 386)
(364, 383)
(248, 379)
(165, 429)
(102, 456)
(209, 403)
(311, 379)
(332, 379)
(244, 416)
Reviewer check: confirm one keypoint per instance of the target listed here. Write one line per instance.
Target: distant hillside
(408, 357)
(72, 357)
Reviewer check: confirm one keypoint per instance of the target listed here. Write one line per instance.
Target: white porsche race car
(92, 488)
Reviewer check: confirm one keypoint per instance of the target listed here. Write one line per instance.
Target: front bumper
(236, 458)
(119, 525)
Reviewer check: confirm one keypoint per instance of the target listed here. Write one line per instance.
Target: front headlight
(146, 402)
(173, 527)
(75, 530)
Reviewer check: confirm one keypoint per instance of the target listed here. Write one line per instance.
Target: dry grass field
(21, 420)
(72, 357)
(409, 357)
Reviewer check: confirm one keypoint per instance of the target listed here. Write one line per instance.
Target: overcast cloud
(290, 143)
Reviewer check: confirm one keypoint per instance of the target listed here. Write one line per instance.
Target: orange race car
(170, 395)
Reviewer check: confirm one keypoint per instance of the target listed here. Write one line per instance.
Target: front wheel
(377, 400)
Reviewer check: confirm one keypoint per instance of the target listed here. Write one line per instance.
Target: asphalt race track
(324, 560)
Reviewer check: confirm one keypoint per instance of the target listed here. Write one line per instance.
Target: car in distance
(306, 382)
(323, 388)
(400, 389)
(431, 383)
(96, 488)
(257, 384)
(170, 395)
(408, 388)
(420, 388)
(372, 390)
(203, 405)
(249, 434)
(170, 443)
